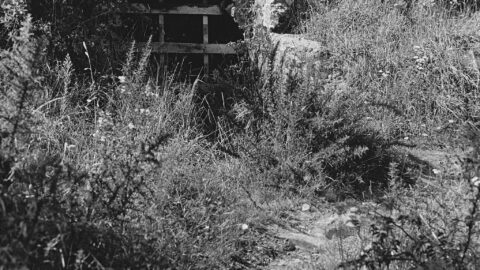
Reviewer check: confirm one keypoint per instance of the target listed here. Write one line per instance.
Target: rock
(293, 57)
(344, 225)
(289, 58)
(289, 246)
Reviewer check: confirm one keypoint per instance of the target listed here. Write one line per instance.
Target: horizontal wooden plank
(193, 48)
(180, 10)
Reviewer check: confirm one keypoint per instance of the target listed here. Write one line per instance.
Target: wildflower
(131, 126)
(122, 79)
(436, 171)
(475, 181)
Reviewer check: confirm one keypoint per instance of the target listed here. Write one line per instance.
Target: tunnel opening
(185, 31)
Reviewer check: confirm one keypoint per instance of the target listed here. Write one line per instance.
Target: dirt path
(316, 238)
(319, 239)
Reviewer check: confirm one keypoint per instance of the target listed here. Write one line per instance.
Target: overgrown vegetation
(113, 166)
(417, 64)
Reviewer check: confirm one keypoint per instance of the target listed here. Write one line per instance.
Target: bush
(427, 231)
(311, 138)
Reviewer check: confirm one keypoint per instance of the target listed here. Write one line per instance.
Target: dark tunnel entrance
(184, 28)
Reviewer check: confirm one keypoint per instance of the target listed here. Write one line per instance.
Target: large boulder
(293, 58)
(288, 56)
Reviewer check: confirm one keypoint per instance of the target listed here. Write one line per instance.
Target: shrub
(428, 231)
(310, 138)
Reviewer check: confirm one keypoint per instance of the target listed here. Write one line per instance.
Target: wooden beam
(193, 48)
(205, 42)
(180, 10)
(161, 26)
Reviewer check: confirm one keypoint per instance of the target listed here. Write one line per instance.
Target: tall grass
(416, 66)
(121, 170)
(110, 174)
(417, 60)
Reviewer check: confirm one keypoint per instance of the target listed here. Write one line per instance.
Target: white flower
(70, 146)
(305, 207)
(475, 181)
(131, 126)
(122, 79)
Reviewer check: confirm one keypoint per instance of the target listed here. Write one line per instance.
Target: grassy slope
(419, 69)
(416, 60)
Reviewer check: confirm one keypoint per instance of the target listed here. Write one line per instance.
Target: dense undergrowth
(118, 168)
(417, 64)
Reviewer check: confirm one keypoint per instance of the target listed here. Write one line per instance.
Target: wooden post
(205, 41)
(161, 26)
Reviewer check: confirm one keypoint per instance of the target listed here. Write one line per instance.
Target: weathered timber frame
(204, 48)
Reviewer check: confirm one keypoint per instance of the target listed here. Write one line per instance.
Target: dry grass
(418, 61)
